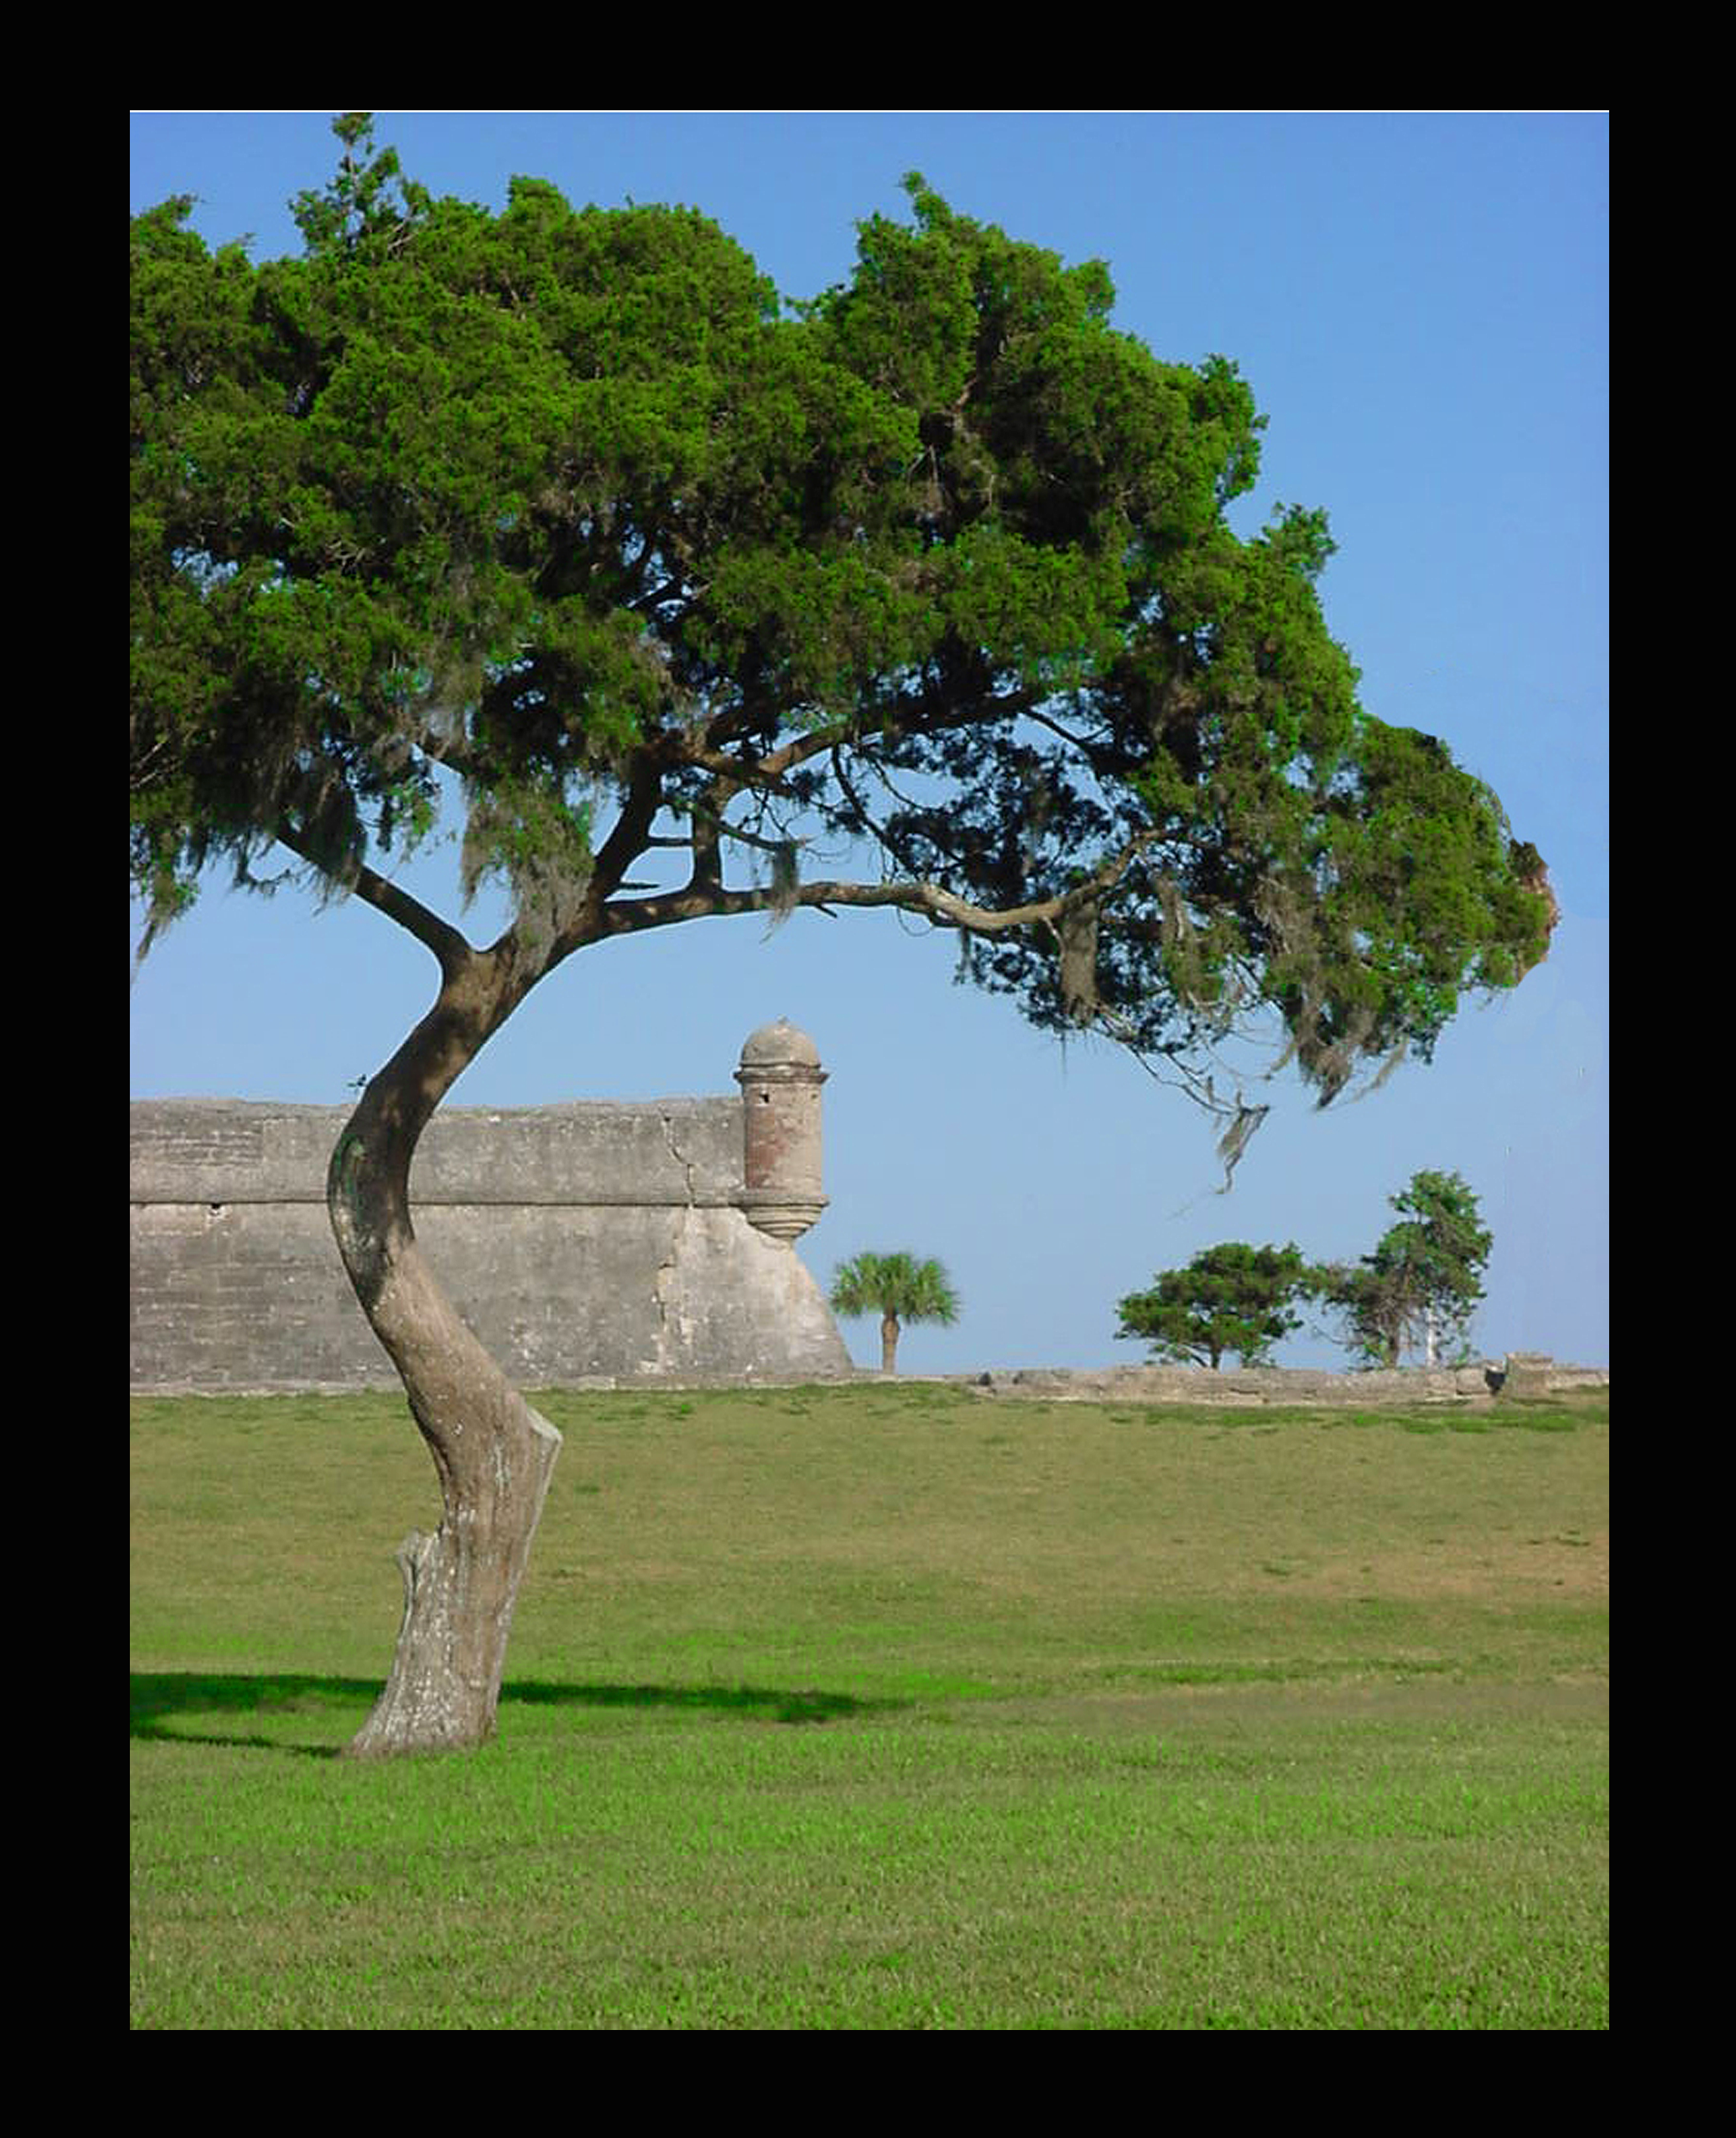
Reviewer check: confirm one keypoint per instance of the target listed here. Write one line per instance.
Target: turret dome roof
(780, 1042)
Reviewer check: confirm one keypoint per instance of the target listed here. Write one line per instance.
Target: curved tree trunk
(888, 1344)
(493, 1452)
(495, 1456)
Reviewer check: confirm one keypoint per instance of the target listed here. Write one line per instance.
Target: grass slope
(888, 1706)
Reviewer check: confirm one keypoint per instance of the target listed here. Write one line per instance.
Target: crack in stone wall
(676, 1152)
(663, 1279)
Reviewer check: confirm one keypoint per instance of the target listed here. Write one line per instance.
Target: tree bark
(888, 1344)
(495, 1456)
(492, 1453)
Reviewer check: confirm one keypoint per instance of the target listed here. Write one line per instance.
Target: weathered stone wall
(1521, 1374)
(588, 1242)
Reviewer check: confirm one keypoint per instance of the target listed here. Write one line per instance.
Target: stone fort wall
(596, 1241)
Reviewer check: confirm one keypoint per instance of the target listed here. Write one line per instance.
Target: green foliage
(358, 205)
(895, 1285)
(1229, 1298)
(935, 565)
(1424, 1278)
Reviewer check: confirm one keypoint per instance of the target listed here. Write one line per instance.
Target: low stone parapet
(1520, 1373)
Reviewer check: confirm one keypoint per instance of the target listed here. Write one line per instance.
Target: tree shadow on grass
(175, 1703)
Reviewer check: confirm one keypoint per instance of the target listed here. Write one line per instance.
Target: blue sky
(1420, 303)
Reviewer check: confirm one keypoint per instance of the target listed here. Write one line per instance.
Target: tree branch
(632, 833)
(944, 907)
(453, 952)
(703, 754)
(867, 823)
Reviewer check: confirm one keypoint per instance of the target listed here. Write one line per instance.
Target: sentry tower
(780, 1077)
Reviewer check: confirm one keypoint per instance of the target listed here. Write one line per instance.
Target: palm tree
(899, 1288)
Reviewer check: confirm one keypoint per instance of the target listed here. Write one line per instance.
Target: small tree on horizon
(1229, 1298)
(898, 1288)
(1422, 1283)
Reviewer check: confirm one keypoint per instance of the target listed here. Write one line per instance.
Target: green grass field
(888, 1706)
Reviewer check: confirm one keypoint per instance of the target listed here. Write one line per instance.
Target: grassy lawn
(888, 1706)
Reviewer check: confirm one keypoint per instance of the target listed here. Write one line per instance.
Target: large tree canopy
(920, 594)
(936, 568)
